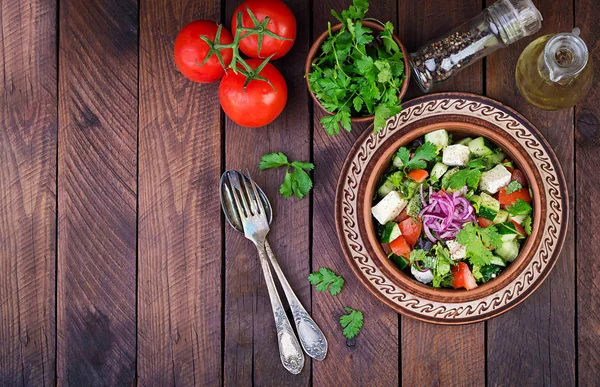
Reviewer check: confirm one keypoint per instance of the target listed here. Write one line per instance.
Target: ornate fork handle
(290, 351)
(312, 338)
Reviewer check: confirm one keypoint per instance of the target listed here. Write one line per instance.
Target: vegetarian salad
(453, 214)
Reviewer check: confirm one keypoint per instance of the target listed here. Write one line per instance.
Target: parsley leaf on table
(351, 322)
(513, 186)
(326, 279)
(521, 207)
(296, 180)
(478, 242)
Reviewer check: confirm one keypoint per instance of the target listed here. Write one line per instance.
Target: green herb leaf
(521, 207)
(325, 279)
(295, 182)
(351, 322)
(465, 177)
(272, 160)
(478, 242)
(527, 224)
(417, 255)
(513, 186)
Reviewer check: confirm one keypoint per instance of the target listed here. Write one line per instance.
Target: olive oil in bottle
(554, 71)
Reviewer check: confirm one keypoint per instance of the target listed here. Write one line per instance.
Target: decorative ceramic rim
(454, 105)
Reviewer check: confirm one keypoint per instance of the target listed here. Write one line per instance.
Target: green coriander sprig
(296, 180)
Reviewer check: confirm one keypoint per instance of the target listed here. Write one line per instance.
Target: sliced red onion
(445, 214)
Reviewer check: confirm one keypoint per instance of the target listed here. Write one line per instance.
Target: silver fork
(256, 228)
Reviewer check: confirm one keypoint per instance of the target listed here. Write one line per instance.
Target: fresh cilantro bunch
(478, 242)
(357, 73)
(297, 181)
(325, 279)
(351, 322)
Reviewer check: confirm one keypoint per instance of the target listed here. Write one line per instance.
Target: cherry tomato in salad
(403, 215)
(190, 51)
(507, 200)
(520, 177)
(259, 102)
(483, 222)
(411, 230)
(418, 175)
(400, 246)
(462, 277)
(518, 227)
(281, 22)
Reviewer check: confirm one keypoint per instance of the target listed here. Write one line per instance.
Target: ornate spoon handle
(312, 338)
(290, 352)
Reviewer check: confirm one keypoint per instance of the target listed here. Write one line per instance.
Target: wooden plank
(371, 358)
(534, 344)
(251, 354)
(28, 138)
(587, 183)
(459, 355)
(179, 242)
(98, 99)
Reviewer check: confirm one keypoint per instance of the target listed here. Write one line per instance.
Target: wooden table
(116, 265)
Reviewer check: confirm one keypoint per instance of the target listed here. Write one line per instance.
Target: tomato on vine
(193, 55)
(254, 95)
(274, 19)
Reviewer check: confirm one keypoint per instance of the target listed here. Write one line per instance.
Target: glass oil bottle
(555, 71)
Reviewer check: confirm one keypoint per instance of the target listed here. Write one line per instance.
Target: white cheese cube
(456, 155)
(457, 251)
(389, 207)
(494, 179)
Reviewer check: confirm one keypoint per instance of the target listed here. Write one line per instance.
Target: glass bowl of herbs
(357, 70)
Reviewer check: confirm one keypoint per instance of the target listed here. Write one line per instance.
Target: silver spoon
(312, 339)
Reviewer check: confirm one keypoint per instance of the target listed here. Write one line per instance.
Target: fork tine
(240, 201)
(257, 197)
(252, 199)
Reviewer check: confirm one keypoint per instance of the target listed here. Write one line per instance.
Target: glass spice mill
(499, 25)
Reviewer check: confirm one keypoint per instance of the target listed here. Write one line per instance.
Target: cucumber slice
(465, 141)
(386, 188)
(508, 251)
(479, 147)
(501, 217)
(391, 231)
(438, 171)
(489, 207)
(399, 261)
(496, 157)
(438, 137)
(509, 237)
(497, 261)
(397, 162)
(447, 176)
(414, 206)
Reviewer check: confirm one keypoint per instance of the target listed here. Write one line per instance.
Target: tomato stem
(241, 32)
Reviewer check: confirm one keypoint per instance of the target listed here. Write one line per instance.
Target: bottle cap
(516, 19)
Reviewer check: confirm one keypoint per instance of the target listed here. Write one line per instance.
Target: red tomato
(403, 215)
(518, 227)
(507, 200)
(418, 175)
(520, 177)
(400, 247)
(258, 104)
(190, 51)
(462, 277)
(411, 230)
(281, 22)
(483, 222)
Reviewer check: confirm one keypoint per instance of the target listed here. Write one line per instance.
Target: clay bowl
(314, 52)
(463, 115)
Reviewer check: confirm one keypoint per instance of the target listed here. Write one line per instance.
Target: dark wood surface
(116, 265)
